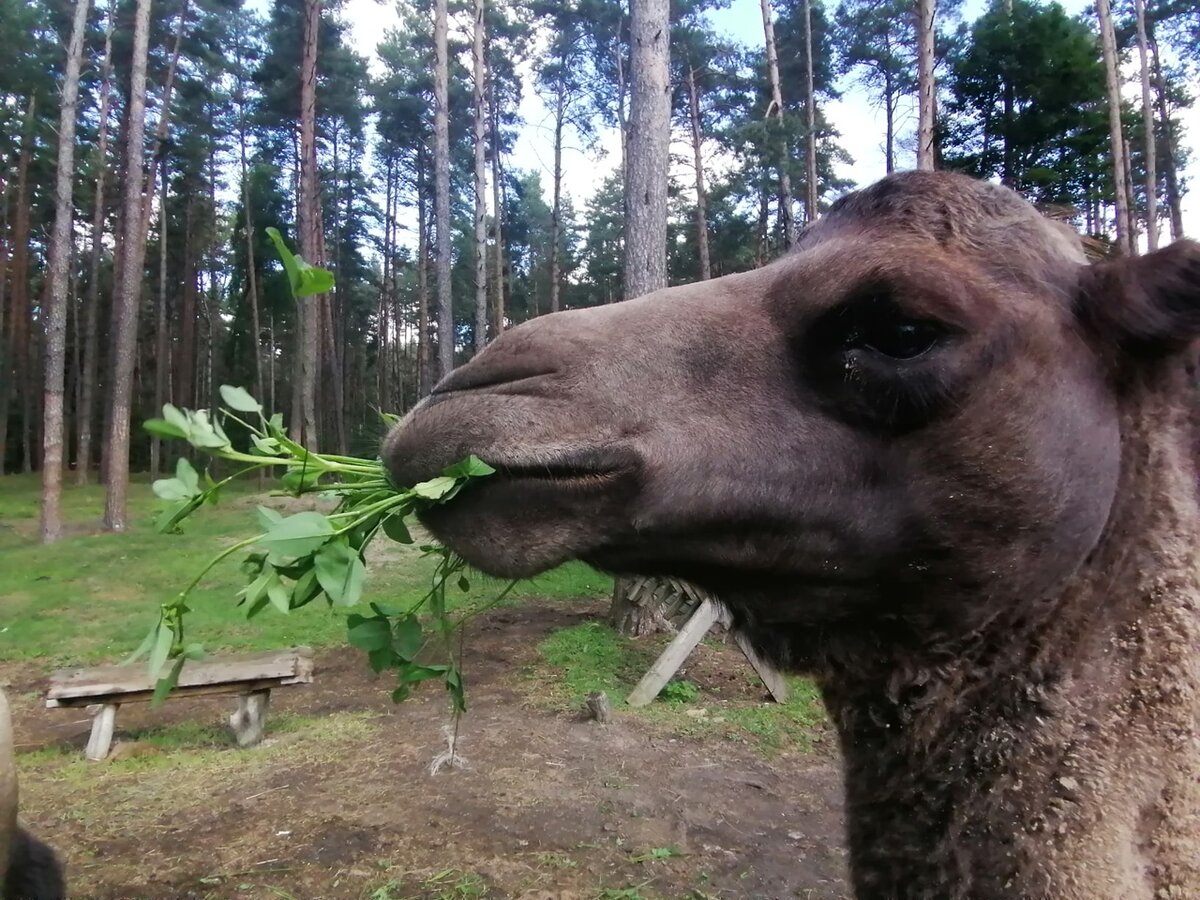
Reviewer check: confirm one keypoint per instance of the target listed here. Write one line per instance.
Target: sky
(858, 120)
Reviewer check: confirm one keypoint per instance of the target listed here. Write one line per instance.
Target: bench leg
(250, 720)
(102, 732)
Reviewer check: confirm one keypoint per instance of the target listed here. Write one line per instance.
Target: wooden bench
(251, 677)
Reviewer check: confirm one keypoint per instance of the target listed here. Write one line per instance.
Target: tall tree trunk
(1170, 175)
(185, 391)
(441, 177)
(1007, 170)
(308, 309)
(85, 416)
(1148, 127)
(6, 360)
(1132, 223)
(251, 267)
(426, 374)
(19, 306)
(1116, 140)
(698, 160)
(497, 218)
(162, 350)
(646, 224)
(481, 288)
(810, 111)
(889, 108)
(158, 158)
(14, 376)
(56, 292)
(926, 86)
(786, 211)
(386, 298)
(560, 112)
(649, 140)
(124, 341)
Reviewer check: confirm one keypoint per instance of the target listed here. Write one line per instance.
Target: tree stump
(596, 704)
(250, 720)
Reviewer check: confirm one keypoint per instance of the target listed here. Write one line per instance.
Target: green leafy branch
(295, 560)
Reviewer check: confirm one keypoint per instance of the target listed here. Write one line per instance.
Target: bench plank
(130, 684)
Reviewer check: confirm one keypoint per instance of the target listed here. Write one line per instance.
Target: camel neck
(1054, 753)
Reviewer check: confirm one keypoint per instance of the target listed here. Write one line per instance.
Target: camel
(931, 458)
(29, 870)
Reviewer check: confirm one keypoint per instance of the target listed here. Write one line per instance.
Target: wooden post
(102, 732)
(706, 615)
(770, 676)
(677, 651)
(250, 720)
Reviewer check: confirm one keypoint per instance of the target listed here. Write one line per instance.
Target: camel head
(914, 415)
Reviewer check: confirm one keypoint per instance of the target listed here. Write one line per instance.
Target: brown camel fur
(29, 870)
(930, 457)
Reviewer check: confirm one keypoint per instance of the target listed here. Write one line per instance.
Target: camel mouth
(563, 474)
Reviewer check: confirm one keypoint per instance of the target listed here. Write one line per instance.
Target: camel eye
(899, 338)
(875, 322)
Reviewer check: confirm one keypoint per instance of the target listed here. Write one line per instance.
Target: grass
(184, 762)
(93, 596)
(591, 657)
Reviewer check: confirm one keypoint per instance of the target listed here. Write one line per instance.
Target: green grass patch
(93, 596)
(591, 657)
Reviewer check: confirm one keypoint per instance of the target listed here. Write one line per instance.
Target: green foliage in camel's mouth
(295, 560)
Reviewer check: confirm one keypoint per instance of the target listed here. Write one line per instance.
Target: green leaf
(394, 527)
(257, 589)
(471, 467)
(178, 418)
(286, 257)
(390, 612)
(298, 535)
(193, 651)
(306, 589)
(239, 399)
(409, 637)
(206, 434)
(162, 647)
(368, 634)
(268, 518)
(313, 280)
(400, 694)
(454, 685)
(301, 478)
(304, 279)
(435, 488)
(380, 659)
(463, 584)
(163, 428)
(279, 596)
(275, 423)
(256, 607)
(167, 683)
(212, 489)
(186, 474)
(172, 516)
(171, 489)
(265, 446)
(341, 572)
(411, 674)
(144, 647)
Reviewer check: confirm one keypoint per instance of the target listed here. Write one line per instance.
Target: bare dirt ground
(338, 802)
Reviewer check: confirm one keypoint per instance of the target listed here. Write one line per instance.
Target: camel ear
(1144, 306)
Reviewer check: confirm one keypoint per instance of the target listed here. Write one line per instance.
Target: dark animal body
(934, 459)
(29, 869)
